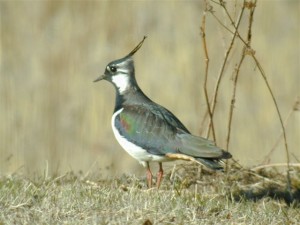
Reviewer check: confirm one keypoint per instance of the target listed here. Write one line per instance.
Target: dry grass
(188, 196)
(242, 91)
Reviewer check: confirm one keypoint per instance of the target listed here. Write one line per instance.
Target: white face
(121, 81)
(119, 73)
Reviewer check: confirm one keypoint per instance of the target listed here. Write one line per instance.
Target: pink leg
(159, 175)
(149, 176)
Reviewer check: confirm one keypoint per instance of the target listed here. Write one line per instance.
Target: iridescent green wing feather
(152, 131)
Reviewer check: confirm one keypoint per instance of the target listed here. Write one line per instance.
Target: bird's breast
(137, 152)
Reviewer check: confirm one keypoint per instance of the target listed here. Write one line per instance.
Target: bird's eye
(113, 69)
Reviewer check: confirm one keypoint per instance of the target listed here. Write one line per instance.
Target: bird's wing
(161, 133)
(168, 117)
(199, 147)
(146, 128)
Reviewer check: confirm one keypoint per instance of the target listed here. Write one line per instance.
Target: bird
(148, 131)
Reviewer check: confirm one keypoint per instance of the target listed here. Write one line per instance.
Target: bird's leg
(149, 176)
(159, 175)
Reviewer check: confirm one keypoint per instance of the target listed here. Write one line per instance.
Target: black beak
(100, 78)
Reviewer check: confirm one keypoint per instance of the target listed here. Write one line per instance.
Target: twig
(276, 165)
(232, 102)
(280, 119)
(252, 8)
(264, 178)
(251, 5)
(276, 106)
(245, 5)
(244, 53)
(222, 24)
(202, 28)
(267, 158)
(202, 128)
(216, 90)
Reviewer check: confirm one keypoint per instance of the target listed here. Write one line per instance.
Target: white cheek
(121, 81)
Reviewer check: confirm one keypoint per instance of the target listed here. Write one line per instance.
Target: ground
(189, 195)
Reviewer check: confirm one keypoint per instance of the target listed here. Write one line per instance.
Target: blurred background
(54, 119)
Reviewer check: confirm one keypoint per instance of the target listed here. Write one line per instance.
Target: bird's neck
(129, 94)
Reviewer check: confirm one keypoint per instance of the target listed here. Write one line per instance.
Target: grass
(188, 196)
(52, 113)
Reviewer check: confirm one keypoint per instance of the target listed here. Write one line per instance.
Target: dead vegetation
(282, 189)
(265, 194)
(188, 195)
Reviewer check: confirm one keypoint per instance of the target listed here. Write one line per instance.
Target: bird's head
(120, 72)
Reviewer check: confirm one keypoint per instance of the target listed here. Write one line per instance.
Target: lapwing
(148, 131)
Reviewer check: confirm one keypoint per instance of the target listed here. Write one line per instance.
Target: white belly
(135, 151)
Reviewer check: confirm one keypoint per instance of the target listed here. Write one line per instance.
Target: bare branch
(216, 90)
(202, 28)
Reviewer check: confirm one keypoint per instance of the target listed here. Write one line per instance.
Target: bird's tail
(215, 164)
(212, 164)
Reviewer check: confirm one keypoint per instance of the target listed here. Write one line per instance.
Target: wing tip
(213, 164)
(226, 155)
